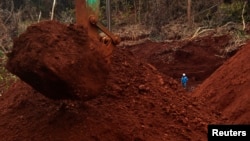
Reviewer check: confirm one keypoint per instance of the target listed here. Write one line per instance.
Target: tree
(53, 9)
(189, 12)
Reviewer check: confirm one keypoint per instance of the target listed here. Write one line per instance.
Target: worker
(184, 80)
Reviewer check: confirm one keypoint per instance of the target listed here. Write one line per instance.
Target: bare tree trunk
(39, 16)
(135, 7)
(116, 7)
(108, 14)
(189, 13)
(53, 9)
(11, 12)
(242, 16)
(139, 11)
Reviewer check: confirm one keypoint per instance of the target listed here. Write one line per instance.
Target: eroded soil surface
(142, 99)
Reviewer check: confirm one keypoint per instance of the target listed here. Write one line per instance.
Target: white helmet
(183, 74)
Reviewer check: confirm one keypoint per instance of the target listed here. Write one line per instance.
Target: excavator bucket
(85, 8)
(87, 12)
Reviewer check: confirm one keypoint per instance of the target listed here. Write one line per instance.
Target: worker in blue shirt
(184, 80)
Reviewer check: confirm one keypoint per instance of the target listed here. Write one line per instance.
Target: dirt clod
(57, 61)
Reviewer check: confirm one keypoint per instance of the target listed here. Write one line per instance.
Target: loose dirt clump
(57, 60)
(137, 102)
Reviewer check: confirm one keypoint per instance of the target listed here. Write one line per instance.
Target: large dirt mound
(228, 88)
(58, 61)
(137, 103)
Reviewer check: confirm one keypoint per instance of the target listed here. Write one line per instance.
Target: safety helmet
(183, 74)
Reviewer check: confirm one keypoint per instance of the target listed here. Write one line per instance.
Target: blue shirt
(184, 79)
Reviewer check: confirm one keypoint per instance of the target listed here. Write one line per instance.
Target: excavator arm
(87, 15)
(85, 8)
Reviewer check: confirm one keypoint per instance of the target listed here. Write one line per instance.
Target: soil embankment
(228, 88)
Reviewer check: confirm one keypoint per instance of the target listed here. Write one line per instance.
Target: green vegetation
(6, 78)
(233, 11)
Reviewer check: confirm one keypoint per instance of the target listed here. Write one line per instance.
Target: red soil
(51, 56)
(198, 58)
(138, 101)
(228, 88)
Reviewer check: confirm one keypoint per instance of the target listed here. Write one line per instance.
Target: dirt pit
(140, 101)
(198, 58)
